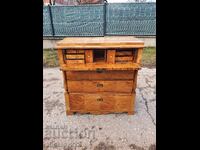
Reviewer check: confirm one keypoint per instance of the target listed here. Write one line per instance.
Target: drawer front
(100, 86)
(100, 102)
(100, 75)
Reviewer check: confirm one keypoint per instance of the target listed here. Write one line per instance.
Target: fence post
(104, 15)
(51, 20)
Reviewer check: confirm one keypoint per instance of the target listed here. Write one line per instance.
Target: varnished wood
(104, 75)
(139, 55)
(60, 57)
(124, 53)
(100, 73)
(125, 58)
(75, 56)
(100, 66)
(74, 51)
(100, 42)
(111, 56)
(88, 56)
(65, 80)
(75, 61)
(100, 86)
(102, 102)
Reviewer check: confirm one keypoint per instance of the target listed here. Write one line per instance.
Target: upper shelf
(100, 42)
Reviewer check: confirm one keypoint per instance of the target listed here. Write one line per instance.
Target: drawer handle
(100, 99)
(99, 85)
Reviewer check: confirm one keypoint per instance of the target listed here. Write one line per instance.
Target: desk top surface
(100, 42)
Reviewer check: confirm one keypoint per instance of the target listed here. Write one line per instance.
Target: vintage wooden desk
(100, 73)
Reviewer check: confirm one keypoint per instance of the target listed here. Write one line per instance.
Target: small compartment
(74, 56)
(125, 56)
(99, 55)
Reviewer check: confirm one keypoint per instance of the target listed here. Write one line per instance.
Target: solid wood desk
(100, 73)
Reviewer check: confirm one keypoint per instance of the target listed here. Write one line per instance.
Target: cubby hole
(125, 55)
(99, 55)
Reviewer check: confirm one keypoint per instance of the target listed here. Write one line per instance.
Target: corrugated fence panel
(47, 29)
(131, 19)
(85, 20)
(93, 20)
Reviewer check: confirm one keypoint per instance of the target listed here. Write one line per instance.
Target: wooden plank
(135, 80)
(88, 56)
(125, 86)
(103, 66)
(75, 51)
(100, 103)
(132, 104)
(80, 51)
(104, 75)
(74, 61)
(65, 80)
(60, 57)
(111, 56)
(126, 58)
(139, 55)
(100, 42)
(76, 102)
(124, 53)
(75, 56)
(71, 51)
(67, 101)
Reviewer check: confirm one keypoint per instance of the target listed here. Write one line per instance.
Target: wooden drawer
(101, 102)
(100, 75)
(100, 86)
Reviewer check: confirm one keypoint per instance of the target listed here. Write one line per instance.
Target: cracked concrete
(99, 132)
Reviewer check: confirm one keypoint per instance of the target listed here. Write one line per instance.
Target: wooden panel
(101, 102)
(74, 51)
(65, 80)
(100, 42)
(67, 101)
(88, 56)
(74, 61)
(60, 57)
(104, 75)
(100, 86)
(139, 55)
(124, 53)
(103, 66)
(111, 56)
(68, 56)
(126, 58)
(76, 102)
(71, 51)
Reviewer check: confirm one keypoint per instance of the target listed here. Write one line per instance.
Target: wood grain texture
(88, 56)
(75, 56)
(65, 80)
(125, 58)
(100, 102)
(111, 56)
(124, 53)
(96, 81)
(60, 57)
(75, 51)
(125, 86)
(104, 75)
(139, 55)
(75, 61)
(100, 42)
(103, 66)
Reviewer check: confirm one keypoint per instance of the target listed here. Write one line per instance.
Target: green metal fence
(100, 20)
